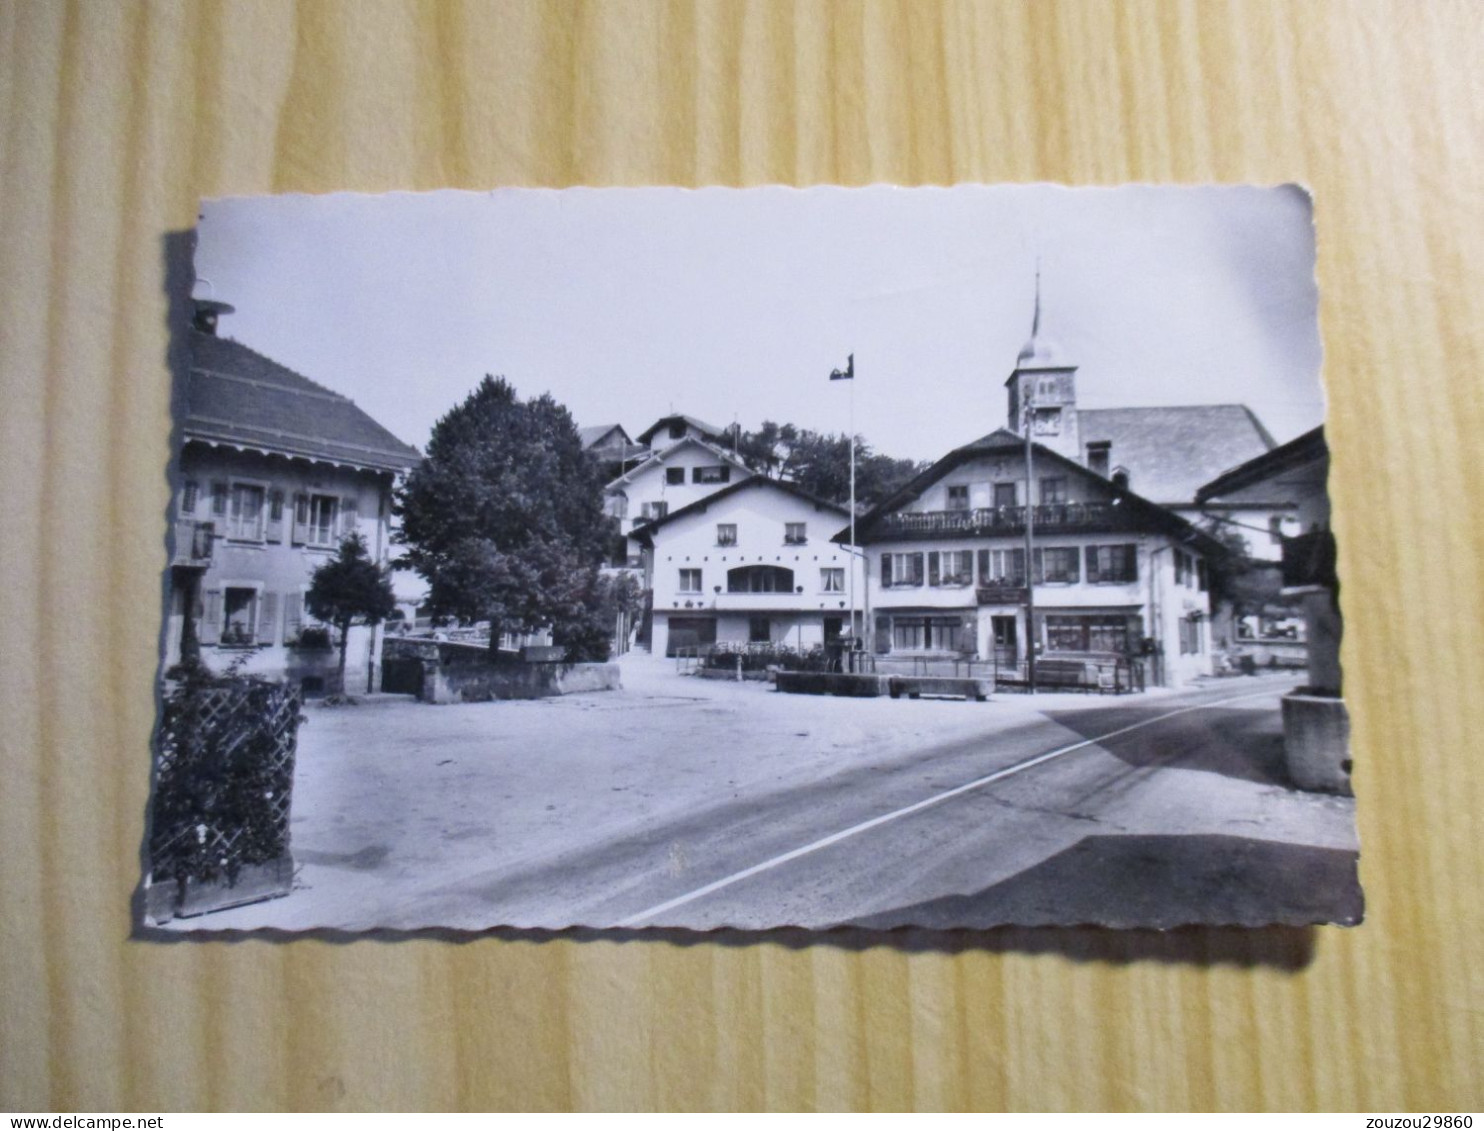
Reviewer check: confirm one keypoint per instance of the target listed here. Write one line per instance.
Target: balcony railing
(1048, 517)
(193, 542)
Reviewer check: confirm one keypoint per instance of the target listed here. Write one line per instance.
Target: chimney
(206, 313)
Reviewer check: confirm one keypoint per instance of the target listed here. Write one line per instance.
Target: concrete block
(1316, 742)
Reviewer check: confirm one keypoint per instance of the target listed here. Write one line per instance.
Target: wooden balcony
(1051, 518)
(192, 544)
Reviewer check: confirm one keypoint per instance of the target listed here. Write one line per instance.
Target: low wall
(832, 683)
(1316, 742)
(480, 683)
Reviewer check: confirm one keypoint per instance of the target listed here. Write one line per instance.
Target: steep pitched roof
(1141, 511)
(1171, 451)
(659, 457)
(644, 530)
(594, 433)
(1305, 449)
(237, 396)
(710, 431)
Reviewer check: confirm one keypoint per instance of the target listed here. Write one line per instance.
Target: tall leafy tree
(350, 589)
(504, 518)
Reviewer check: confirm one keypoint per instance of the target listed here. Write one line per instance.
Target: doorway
(1006, 640)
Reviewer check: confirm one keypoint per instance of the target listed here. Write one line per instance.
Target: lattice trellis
(225, 778)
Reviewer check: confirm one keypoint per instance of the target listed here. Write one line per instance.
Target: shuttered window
(268, 618)
(901, 571)
(293, 616)
(1112, 564)
(1057, 565)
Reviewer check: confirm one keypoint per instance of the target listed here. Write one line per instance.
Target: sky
(735, 304)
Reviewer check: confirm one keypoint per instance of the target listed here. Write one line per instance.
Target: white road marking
(936, 799)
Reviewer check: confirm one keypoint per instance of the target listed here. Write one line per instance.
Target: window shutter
(267, 617)
(211, 617)
(1092, 563)
(274, 528)
(983, 567)
(301, 518)
(917, 568)
(935, 571)
(219, 499)
(885, 571)
(883, 634)
(1038, 573)
(348, 516)
(293, 616)
(1074, 566)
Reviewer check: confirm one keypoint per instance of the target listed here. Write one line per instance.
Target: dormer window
(1098, 453)
(1120, 478)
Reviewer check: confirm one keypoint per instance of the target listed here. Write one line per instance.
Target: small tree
(350, 589)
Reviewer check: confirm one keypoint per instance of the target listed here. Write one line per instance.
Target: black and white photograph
(751, 558)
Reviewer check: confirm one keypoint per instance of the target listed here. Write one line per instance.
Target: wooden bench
(1064, 673)
(962, 687)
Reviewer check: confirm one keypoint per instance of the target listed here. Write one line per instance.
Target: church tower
(1047, 382)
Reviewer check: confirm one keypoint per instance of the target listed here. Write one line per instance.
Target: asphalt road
(1144, 811)
(1151, 810)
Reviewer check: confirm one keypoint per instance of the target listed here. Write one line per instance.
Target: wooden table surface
(117, 117)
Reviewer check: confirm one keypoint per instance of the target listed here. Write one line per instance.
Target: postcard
(752, 558)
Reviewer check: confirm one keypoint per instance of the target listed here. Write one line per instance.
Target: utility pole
(1026, 417)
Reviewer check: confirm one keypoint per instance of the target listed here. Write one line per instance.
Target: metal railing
(1049, 518)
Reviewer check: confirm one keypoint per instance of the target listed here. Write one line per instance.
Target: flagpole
(853, 635)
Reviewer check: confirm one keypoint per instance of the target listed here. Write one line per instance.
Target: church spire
(1038, 352)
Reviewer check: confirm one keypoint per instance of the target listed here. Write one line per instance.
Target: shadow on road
(1242, 744)
(1160, 882)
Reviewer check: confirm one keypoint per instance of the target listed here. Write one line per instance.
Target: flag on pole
(846, 374)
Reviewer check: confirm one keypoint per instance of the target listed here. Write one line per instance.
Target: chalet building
(274, 471)
(611, 446)
(677, 426)
(673, 477)
(750, 562)
(1114, 575)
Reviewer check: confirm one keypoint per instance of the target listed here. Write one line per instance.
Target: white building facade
(672, 478)
(751, 563)
(1115, 577)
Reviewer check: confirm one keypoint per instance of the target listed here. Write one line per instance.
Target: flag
(846, 374)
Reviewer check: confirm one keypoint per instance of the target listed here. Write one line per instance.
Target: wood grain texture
(116, 118)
